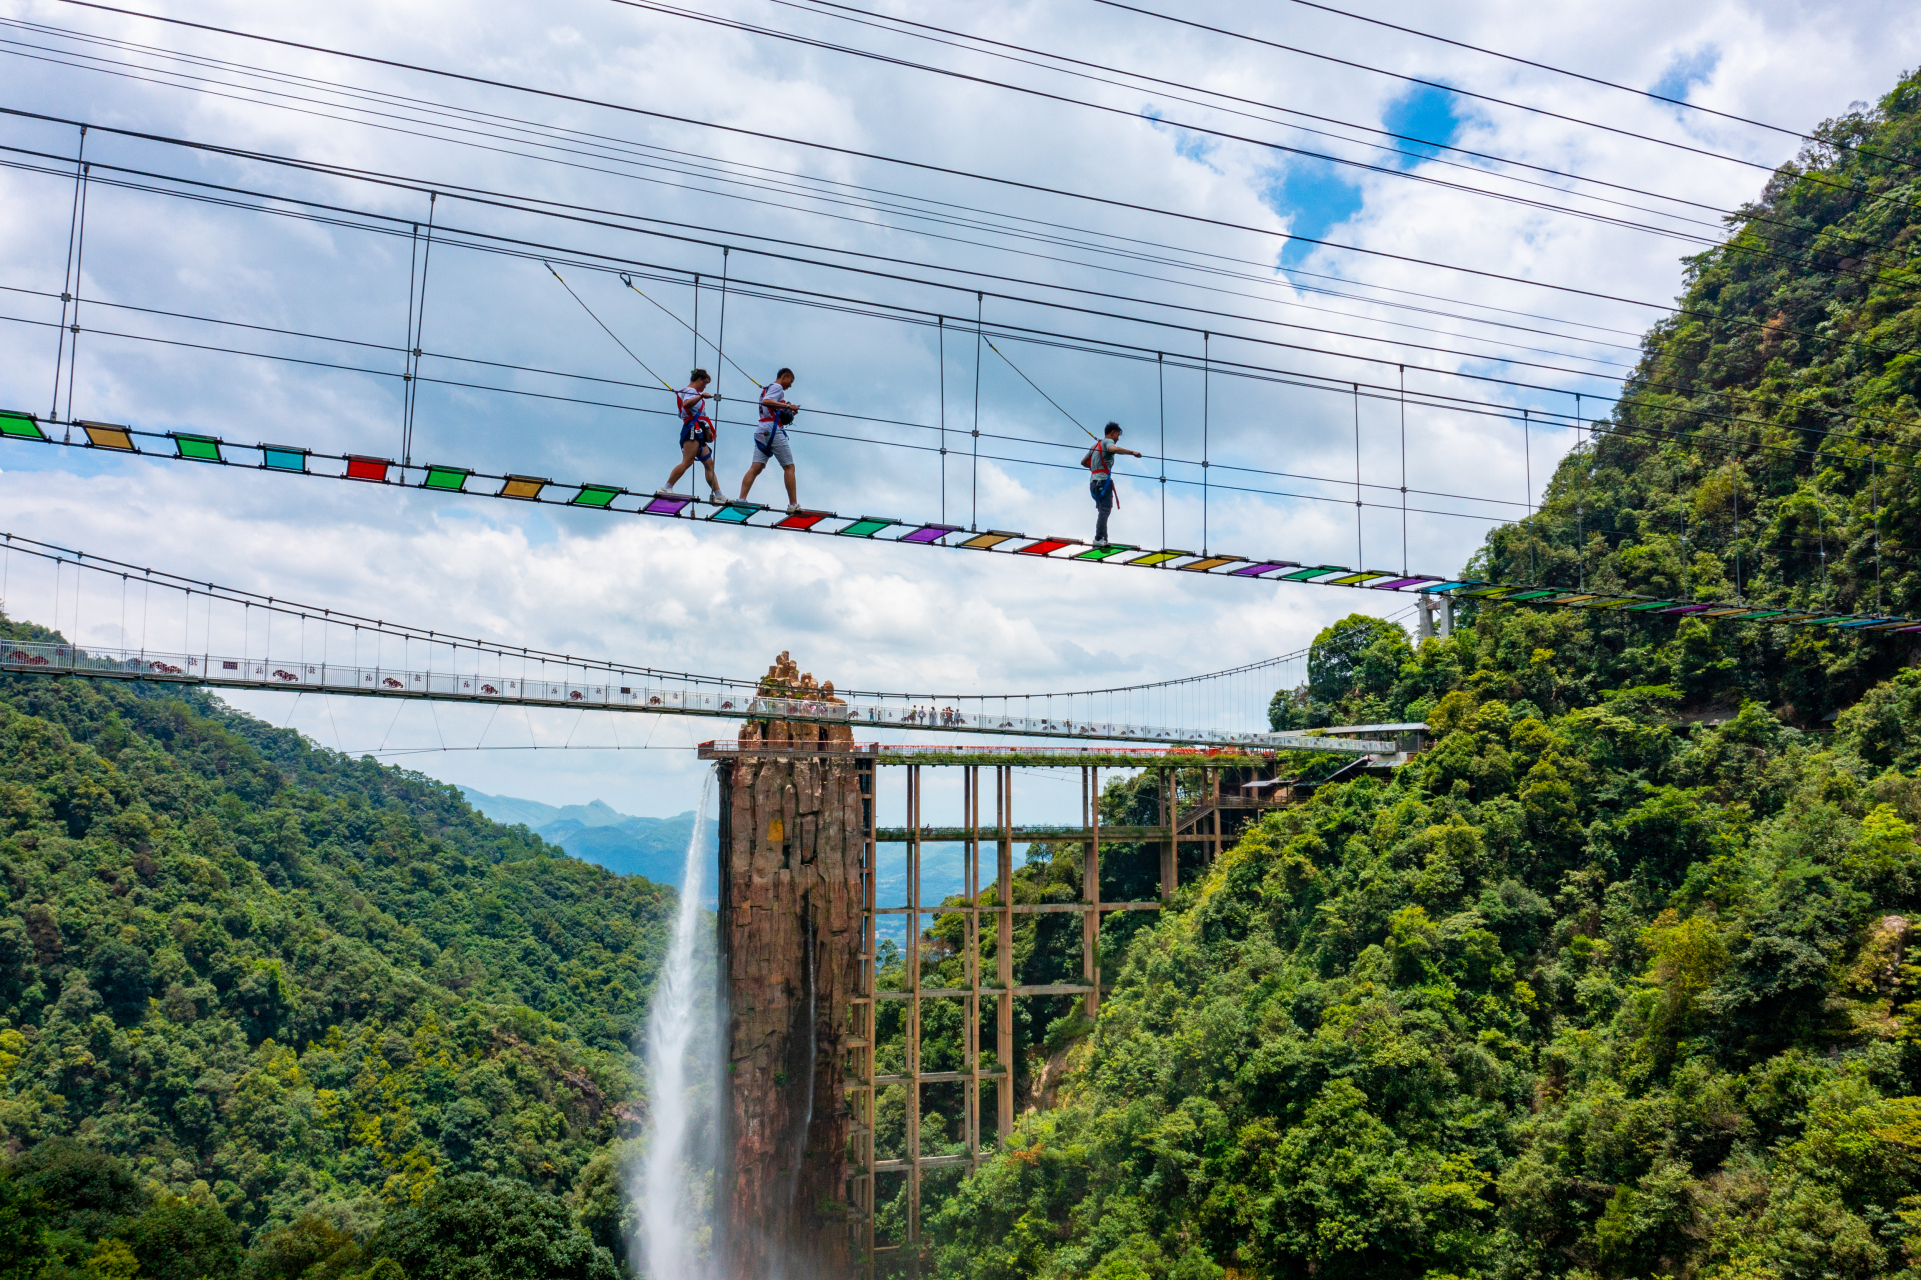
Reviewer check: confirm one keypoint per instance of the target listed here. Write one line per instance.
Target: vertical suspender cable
(973, 523)
(1734, 477)
(1207, 371)
(79, 261)
(420, 325)
(66, 279)
(720, 347)
(407, 348)
(1403, 472)
(1160, 381)
(1360, 555)
(940, 325)
(1527, 462)
(1873, 496)
(1580, 496)
(696, 363)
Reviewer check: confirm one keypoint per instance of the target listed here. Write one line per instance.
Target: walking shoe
(717, 500)
(1099, 543)
(793, 509)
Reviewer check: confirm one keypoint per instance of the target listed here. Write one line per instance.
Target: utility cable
(792, 38)
(505, 241)
(866, 155)
(1426, 84)
(826, 11)
(707, 168)
(1606, 84)
(1043, 395)
(588, 216)
(609, 332)
(487, 200)
(819, 6)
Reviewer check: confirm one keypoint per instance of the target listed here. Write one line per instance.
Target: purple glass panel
(928, 533)
(666, 506)
(1255, 570)
(1397, 583)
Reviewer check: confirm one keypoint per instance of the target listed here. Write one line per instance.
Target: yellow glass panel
(522, 487)
(982, 541)
(104, 435)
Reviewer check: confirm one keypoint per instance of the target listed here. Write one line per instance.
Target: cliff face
(791, 842)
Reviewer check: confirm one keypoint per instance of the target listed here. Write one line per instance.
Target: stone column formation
(792, 833)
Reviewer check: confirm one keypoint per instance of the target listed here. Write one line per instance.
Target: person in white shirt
(770, 437)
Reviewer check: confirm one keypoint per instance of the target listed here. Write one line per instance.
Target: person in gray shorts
(770, 437)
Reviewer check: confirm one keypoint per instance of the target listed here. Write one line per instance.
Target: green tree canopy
(473, 1227)
(1359, 653)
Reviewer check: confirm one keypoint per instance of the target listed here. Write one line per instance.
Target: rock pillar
(791, 840)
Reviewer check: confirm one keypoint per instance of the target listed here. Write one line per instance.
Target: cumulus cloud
(884, 397)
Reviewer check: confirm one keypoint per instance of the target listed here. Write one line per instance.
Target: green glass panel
(21, 427)
(1101, 553)
(735, 513)
(1650, 604)
(866, 527)
(1536, 595)
(200, 448)
(595, 495)
(451, 478)
(1304, 575)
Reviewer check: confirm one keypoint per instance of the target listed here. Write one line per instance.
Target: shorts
(704, 431)
(771, 442)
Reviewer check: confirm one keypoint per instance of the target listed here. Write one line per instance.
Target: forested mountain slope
(1617, 980)
(259, 981)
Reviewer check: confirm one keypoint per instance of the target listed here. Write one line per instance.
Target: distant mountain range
(599, 833)
(657, 847)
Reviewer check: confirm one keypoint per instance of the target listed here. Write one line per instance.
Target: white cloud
(867, 615)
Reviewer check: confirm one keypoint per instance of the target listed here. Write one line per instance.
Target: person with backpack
(1100, 462)
(696, 432)
(770, 437)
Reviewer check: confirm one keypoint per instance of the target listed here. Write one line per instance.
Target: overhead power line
(856, 153)
(1606, 84)
(1410, 175)
(914, 164)
(801, 186)
(1063, 64)
(588, 215)
(1426, 84)
(538, 251)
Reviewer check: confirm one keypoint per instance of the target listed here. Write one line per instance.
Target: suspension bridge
(325, 651)
(614, 499)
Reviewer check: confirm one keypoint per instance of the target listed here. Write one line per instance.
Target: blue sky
(1279, 433)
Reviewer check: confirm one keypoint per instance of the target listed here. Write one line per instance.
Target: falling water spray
(675, 1175)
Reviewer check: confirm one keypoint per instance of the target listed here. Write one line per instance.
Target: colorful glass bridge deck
(361, 468)
(579, 687)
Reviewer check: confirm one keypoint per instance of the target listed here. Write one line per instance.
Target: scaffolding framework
(1206, 825)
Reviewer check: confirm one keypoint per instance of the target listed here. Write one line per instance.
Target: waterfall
(675, 1176)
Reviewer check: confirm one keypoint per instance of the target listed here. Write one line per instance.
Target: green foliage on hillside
(1601, 985)
(276, 988)
(1582, 994)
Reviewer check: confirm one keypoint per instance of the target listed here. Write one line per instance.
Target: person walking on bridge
(1100, 462)
(696, 432)
(770, 437)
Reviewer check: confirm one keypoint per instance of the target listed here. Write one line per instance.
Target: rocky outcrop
(790, 909)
